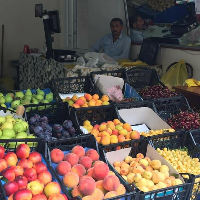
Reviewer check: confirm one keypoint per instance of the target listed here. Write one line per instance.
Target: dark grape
(47, 137)
(48, 127)
(58, 135)
(44, 119)
(66, 134)
(47, 132)
(38, 130)
(37, 117)
(43, 125)
(67, 124)
(32, 120)
(57, 128)
(71, 130)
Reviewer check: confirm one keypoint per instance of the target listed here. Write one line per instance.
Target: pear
(40, 92)
(3, 105)
(19, 127)
(19, 94)
(2, 100)
(1, 95)
(25, 124)
(49, 97)
(39, 97)
(35, 101)
(28, 92)
(7, 125)
(15, 104)
(9, 133)
(21, 135)
(28, 97)
(31, 144)
(2, 120)
(8, 99)
(25, 102)
(12, 120)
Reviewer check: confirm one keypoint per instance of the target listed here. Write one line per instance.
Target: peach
(110, 194)
(72, 158)
(104, 133)
(130, 177)
(25, 163)
(150, 184)
(44, 177)
(75, 105)
(168, 182)
(109, 131)
(98, 103)
(166, 174)
(111, 125)
(90, 171)
(128, 136)
(87, 185)
(100, 171)
(155, 164)
(97, 194)
(92, 102)
(121, 138)
(128, 159)
(118, 169)
(144, 162)
(23, 151)
(98, 139)
(99, 185)
(88, 97)
(121, 190)
(95, 96)
(177, 182)
(56, 155)
(71, 180)
(124, 171)
(3, 165)
(127, 126)
(155, 187)
(137, 177)
(96, 126)
(140, 155)
(11, 159)
(115, 132)
(116, 121)
(147, 175)
(135, 135)
(113, 139)
(142, 182)
(80, 102)
(76, 192)
(86, 161)
(144, 189)
(86, 123)
(134, 163)
(95, 132)
(161, 185)
(119, 127)
(111, 182)
(148, 159)
(74, 98)
(83, 98)
(93, 154)
(105, 140)
(97, 162)
(105, 98)
(117, 164)
(56, 197)
(63, 168)
(111, 173)
(85, 105)
(158, 177)
(149, 168)
(87, 198)
(124, 165)
(118, 147)
(102, 127)
(18, 170)
(79, 169)
(52, 188)
(79, 151)
(138, 169)
(164, 168)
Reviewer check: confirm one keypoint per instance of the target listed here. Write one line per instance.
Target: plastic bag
(176, 75)
(81, 61)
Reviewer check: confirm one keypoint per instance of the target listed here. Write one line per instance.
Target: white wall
(21, 27)
(167, 56)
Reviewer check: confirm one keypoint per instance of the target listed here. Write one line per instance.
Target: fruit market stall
(36, 71)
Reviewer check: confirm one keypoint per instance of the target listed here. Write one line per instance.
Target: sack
(176, 75)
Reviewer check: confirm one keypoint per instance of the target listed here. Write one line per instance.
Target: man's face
(139, 24)
(116, 28)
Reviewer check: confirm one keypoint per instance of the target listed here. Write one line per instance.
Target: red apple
(30, 174)
(10, 188)
(8, 174)
(3, 164)
(39, 197)
(18, 170)
(25, 163)
(11, 159)
(65, 196)
(22, 194)
(45, 177)
(35, 157)
(56, 197)
(21, 181)
(23, 151)
(56, 155)
(39, 167)
(2, 152)
(52, 188)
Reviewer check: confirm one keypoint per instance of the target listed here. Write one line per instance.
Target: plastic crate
(195, 135)
(140, 146)
(96, 115)
(135, 104)
(87, 142)
(167, 107)
(56, 113)
(82, 84)
(139, 77)
(40, 147)
(178, 140)
(116, 73)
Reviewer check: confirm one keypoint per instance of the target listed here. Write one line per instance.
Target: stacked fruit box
(25, 173)
(80, 169)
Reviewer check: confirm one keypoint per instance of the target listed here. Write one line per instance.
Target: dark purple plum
(37, 117)
(58, 135)
(57, 128)
(43, 125)
(67, 124)
(38, 130)
(48, 127)
(44, 119)
(71, 130)
(32, 120)
(66, 134)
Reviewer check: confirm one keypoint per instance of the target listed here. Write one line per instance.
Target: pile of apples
(26, 176)
(111, 132)
(156, 132)
(84, 174)
(13, 128)
(87, 100)
(147, 174)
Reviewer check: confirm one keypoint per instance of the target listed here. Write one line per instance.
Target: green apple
(7, 125)
(19, 94)
(8, 99)
(2, 120)
(9, 133)
(15, 103)
(19, 127)
(21, 135)
(25, 124)
(2, 100)
(28, 92)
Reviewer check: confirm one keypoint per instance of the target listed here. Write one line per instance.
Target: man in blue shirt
(116, 45)
(136, 25)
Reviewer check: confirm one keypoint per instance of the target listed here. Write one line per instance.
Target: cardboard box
(143, 116)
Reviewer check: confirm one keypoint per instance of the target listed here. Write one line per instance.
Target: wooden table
(191, 93)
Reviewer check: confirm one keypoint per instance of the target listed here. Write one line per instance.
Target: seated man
(136, 24)
(115, 44)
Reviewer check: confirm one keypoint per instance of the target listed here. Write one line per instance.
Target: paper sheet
(64, 96)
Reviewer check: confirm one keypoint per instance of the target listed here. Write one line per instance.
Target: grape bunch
(156, 91)
(41, 128)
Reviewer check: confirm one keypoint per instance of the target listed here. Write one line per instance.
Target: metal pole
(2, 50)
(126, 17)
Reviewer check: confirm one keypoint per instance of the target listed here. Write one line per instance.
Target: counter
(35, 71)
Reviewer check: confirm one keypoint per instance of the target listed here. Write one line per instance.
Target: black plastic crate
(179, 140)
(86, 141)
(140, 146)
(195, 135)
(167, 107)
(56, 113)
(135, 104)
(116, 73)
(39, 146)
(139, 77)
(82, 84)
(96, 115)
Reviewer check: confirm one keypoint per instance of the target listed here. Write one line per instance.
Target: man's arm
(126, 50)
(97, 45)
